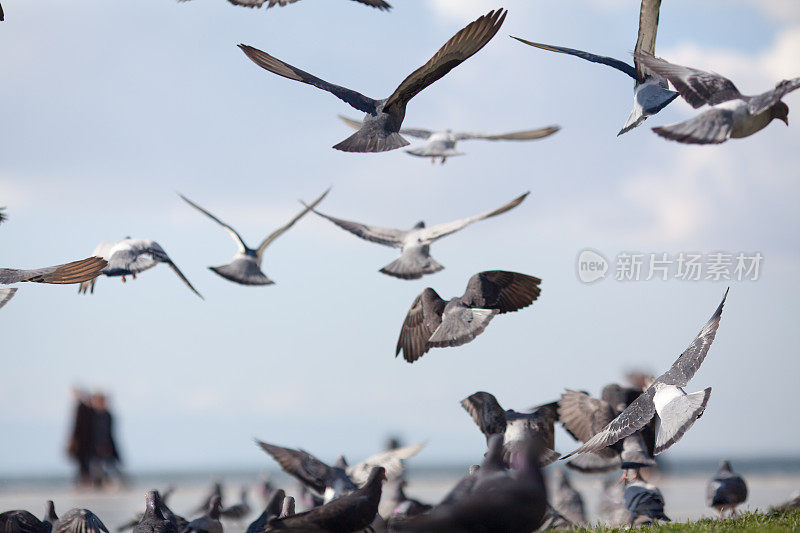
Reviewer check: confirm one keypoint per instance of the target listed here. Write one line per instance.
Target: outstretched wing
(763, 101)
(710, 127)
(583, 416)
(278, 232)
(440, 230)
(455, 51)
(685, 366)
(486, 412)
(629, 421)
(526, 135)
(697, 87)
(276, 66)
(302, 465)
(386, 236)
(233, 233)
(648, 27)
(6, 295)
(416, 132)
(380, 4)
(390, 460)
(501, 290)
(594, 58)
(422, 319)
(75, 272)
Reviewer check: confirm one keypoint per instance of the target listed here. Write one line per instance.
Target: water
(683, 485)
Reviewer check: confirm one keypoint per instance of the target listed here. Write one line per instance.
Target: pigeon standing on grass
(651, 91)
(245, 268)
(415, 259)
(435, 323)
(381, 125)
(726, 491)
(677, 411)
(644, 502)
(731, 114)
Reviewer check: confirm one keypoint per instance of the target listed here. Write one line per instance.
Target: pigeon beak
(785, 120)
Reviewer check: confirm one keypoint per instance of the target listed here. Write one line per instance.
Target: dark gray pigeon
(287, 509)
(216, 491)
(583, 417)
(726, 491)
(442, 144)
(129, 257)
(245, 268)
(271, 510)
(651, 91)
(239, 510)
(381, 125)
(380, 4)
(20, 521)
(351, 512)
(79, 521)
(333, 481)
(153, 520)
(415, 258)
(435, 323)
(677, 411)
(209, 522)
(162, 503)
(731, 114)
(516, 428)
(50, 516)
(643, 499)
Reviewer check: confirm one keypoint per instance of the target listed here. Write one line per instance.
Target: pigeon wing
(302, 465)
(525, 135)
(603, 60)
(421, 321)
(75, 272)
(763, 101)
(441, 230)
(390, 460)
(648, 27)
(280, 231)
(486, 412)
(501, 290)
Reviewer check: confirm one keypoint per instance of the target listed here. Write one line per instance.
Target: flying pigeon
(415, 260)
(651, 91)
(731, 114)
(435, 323)
(380, 131)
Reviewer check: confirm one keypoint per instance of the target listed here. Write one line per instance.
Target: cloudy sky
(111, 108)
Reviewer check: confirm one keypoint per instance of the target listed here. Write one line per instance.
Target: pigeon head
(725, 466)
(377, 475)
(419, 225)
(781, 112)
(50, 512)
(341, 462)
(214, 506)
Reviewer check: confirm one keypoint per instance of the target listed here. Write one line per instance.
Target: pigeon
(566, 500)
(442, 144)
(333, 481)
(216, 491)
(162, 503)
(508, 501)
(611, 511)
(643, 499)
(271, 510)
(791, 504)
(351, 512)
(153, 521)
(516, 428)
(651, 91)
(237, 511)
(726, 491)
(209, 522)
(287, 509)
(435, 323)
(731, 114)
(415, 260)
(129, 257)
(50, 516)
(6, 295)
(583, 417)
(79, 521)
(380, 130)
(677, 411)
(3, 216)
(19, 521)
(245, 268)
(379, 4)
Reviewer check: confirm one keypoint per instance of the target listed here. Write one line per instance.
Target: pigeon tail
(411, 266)
(362, 141)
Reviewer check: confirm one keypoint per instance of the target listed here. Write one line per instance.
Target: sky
(111, 109)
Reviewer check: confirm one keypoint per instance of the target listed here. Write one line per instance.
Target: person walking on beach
(105, 457)
(80, 446)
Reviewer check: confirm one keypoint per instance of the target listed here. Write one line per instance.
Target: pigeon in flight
(129, 257)
(415, 260)
(442, 144)
(651, 91)
(349, 513)
(731, 114)
(677, 411)
(583, 417)
(435, 323)
(333, 481)
(380, 130)
(516, 428)
(380, 4)
(245, 268)
(76, 272)
(726, 491)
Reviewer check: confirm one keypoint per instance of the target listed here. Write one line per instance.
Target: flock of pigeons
(624, 429)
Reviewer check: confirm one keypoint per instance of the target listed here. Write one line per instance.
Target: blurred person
(104, 465)
(80, 447)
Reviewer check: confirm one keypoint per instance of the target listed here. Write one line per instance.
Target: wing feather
(441, 230)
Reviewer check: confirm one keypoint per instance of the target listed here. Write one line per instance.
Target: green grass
(773, 521)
